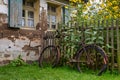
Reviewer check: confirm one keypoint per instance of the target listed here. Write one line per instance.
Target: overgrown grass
(33, 72)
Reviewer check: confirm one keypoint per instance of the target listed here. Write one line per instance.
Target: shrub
(18, 62)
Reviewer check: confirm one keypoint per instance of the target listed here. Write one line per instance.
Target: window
(23, 13)
(52, 16)
(28, 14)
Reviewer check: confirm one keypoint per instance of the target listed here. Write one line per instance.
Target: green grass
(60, 73)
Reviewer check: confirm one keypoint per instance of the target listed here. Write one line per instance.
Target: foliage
(112, 9)
(87, 20)
(100, 10)
(17, 62)
(106, 10)
(78, 1)
(80, 13)
(92, 36)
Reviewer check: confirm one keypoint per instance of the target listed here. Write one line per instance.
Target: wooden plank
(118, 45)
(107, 39)
(107, 34)
(82, 30)
(103, 22)
(96, 55)
(98, 26)
(112, 44)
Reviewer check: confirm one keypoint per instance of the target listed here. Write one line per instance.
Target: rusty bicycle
(87, 57)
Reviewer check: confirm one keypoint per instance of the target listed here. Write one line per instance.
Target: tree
(113, 8)
(108, 9)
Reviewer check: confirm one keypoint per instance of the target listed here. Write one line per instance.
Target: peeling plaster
(35, 43)
(10, 50)
(21, 42)
(3, 9)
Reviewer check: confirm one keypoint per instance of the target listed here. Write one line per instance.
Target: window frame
(58, 13)
(50, 14)
(26, 9)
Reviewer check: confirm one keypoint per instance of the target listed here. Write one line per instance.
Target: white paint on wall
(4, 44)
(15, 48)
(3, 9)
(21, 42)
(8, 45)
(32, 56)
(35, 43)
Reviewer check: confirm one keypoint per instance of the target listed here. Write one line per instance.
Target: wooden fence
(110, 33)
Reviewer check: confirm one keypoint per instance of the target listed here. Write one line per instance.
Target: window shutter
(15, 13)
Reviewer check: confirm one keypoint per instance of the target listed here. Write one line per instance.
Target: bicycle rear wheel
(93, 59)
(49, 57)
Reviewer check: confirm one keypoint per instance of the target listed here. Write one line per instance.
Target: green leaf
(93, 38)
(90, 42)
(108, 46)
(99, 42)
(95, 32)
(88, 39)
(70, 30)
(100, 38)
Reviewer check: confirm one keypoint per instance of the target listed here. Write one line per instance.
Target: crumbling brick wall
(24, 42)
(15, 42)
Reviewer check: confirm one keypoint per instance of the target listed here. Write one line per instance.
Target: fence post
(107, 39)
(112, 44)
(118, 46)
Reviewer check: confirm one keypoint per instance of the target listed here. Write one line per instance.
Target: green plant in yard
(93, 36)
(69, 42)
(18, 62)
(85, 23)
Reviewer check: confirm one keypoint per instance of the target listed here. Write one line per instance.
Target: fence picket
(112, 44)
(118, 44)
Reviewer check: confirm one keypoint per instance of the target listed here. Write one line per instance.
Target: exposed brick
(6, 61)
(9, 33)
(26, 47)
(30, 33)
(6, 55)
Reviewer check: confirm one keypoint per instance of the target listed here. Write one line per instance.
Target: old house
(20, 33)
(22, 23)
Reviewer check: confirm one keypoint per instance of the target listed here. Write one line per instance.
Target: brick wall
(15, 42)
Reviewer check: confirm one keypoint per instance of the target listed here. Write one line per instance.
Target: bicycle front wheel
(91, 59)
(49, 57)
